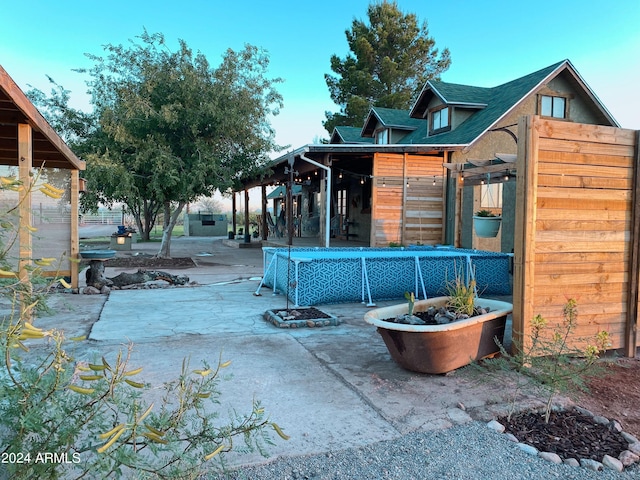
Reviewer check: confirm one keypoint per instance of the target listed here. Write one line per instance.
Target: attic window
(382, 137)
(555, 107)
(440, 120)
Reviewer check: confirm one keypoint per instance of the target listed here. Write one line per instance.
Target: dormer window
(551, 106)
(440, 120)
(382, 136)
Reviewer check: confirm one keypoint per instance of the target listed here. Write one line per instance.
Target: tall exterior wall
(407, 199)
(577, 229)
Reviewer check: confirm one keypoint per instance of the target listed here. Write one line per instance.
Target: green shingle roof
(349, 135)
(498, 100)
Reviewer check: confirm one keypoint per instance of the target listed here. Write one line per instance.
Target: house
(418, 176)
(32, 152)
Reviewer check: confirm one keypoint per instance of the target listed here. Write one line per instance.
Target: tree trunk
(143, 276)
(95, 275)
(165, 245)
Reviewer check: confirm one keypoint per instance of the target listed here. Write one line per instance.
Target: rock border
(626, 458)
(275, 319)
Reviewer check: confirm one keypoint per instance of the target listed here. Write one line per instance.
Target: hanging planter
(486, 224)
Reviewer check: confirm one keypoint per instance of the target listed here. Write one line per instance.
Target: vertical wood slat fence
(577, 229)
(408, 199)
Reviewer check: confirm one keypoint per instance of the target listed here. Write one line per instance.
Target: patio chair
(273, 231)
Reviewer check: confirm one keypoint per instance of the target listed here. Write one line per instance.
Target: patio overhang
(479, 172)
(48, 148)
(353, 156)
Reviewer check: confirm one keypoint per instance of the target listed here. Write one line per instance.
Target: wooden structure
(34, 153)
(577, 229)
(407, 199)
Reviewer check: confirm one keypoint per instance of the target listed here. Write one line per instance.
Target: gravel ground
(469, 452)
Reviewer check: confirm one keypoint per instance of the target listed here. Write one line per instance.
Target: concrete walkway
(329, 388)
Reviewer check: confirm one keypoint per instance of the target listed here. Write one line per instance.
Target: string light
(434, 180)
(362, 181)
(384, 184)
(340, 175)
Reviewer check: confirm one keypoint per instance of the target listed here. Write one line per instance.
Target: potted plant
(486, 223)
(460, 328)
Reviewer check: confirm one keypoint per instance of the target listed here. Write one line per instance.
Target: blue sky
(491, 42)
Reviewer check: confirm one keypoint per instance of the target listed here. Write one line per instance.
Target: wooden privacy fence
(577, 231)
(407, 199)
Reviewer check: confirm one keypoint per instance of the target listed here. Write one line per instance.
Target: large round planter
(439, 349)
(486, 227)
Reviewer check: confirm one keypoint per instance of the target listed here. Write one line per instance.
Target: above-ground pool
(310, 276)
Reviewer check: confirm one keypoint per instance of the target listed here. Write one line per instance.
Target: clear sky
(491, 42)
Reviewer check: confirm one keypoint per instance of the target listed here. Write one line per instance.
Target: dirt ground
(616, 394)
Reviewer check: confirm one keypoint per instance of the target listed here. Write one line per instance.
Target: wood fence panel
(407, 199)
(577, 233)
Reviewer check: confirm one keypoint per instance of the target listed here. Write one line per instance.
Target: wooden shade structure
(27, 141)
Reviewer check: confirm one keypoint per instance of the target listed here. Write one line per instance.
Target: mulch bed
(308, 313)
(150, 262)
(569, 434)
(300, 317)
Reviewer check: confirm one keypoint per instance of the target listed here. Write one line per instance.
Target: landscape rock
(512, 437)
(628, 458)
(572, 462)
(612, 463)
(551, 457)
(584, 411)
(91, 291)
(531, 450)
(635, 447)
(601, 420)
(628, 437)
(591, 464)
(495, 425)
(616, 426)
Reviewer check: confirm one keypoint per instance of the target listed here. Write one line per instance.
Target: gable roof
(492, 104)
(389, 118)
(48, 148)
(344, 134)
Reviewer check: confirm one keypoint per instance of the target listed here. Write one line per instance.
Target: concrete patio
(329, 388)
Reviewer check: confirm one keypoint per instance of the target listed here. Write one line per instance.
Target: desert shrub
(61, 417)
(552, 360)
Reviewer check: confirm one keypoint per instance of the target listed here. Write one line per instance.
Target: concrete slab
(329, 388)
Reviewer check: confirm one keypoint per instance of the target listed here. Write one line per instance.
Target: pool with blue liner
(312, 276)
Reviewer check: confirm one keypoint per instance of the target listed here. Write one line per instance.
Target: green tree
(173, 129)
(391, 58)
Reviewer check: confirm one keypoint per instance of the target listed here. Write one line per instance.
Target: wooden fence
(407, 199)
(577, 232)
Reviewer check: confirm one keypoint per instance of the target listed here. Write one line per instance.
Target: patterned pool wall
(311, 276)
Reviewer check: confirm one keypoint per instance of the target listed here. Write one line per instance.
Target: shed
(33, 153)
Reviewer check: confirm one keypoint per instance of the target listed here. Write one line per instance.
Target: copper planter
(441, 348)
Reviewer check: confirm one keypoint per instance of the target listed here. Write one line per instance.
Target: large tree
(392, 56)
(173, 129)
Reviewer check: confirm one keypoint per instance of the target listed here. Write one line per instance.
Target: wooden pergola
(28, 142)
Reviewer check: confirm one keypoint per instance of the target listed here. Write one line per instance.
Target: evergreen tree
(392, 56)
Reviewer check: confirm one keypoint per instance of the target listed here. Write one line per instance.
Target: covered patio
(365, 195)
